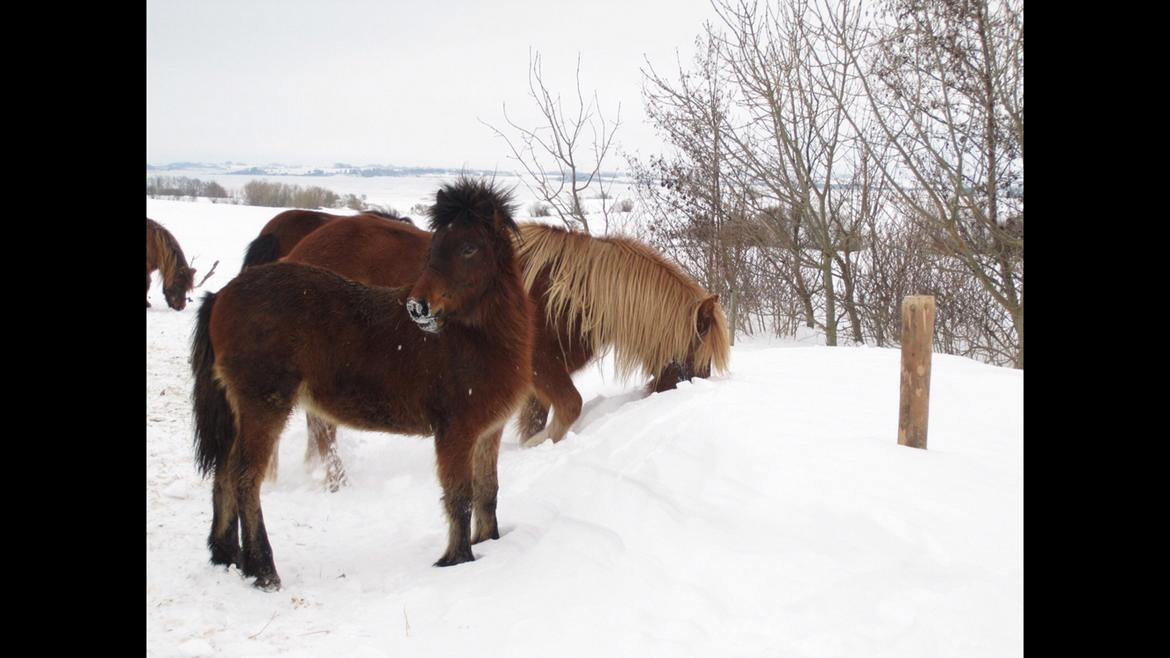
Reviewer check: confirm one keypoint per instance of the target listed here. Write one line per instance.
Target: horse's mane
(475, 199)
(624, 294)
(166, 249)
(388, 215)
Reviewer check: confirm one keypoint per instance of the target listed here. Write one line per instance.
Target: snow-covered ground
(766, 513)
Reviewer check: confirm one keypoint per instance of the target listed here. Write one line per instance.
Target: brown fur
(163, 253)
(285, 333)
(284, 231)
(388, 254)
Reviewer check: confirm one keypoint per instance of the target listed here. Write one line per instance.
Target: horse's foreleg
(249, 459)
(485, 485)
(148, 287)
(323, 443)
(454, 451)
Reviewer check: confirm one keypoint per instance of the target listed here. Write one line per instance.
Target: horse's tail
(215, 427)
(264, 249)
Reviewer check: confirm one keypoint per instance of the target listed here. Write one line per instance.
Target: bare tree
(795, 145)
(946, 95)
(823, 164)
(560, 159)
(697, 216)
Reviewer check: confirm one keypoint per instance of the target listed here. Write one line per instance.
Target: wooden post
(917, 340)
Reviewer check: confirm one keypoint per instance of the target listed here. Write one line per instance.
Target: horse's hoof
(147, 304)
(494, 534)
(226, 560)
(459, 558)
(335, 484)
(267, 583)
(536, 439)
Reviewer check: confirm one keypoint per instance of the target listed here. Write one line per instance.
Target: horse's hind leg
(557, 387)
(533, 417)
(224, 540)
(323, 440)
(454, 452)
(273, 471)
(485, 486)
(259, 429)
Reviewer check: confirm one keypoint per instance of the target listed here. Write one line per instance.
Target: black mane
(470, 199)
(388, 215)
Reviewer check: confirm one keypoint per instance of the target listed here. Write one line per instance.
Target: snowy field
(766, 513)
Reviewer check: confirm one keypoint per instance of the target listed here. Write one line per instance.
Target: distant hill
(338, 169)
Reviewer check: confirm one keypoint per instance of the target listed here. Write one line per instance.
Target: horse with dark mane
(284, 231)
(590, 294)
(163, 253)
(452, 358)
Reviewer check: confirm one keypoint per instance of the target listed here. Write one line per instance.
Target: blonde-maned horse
(614, 292)
(163, 253)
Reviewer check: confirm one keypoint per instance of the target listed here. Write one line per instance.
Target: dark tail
(264, 249)
(215, 427)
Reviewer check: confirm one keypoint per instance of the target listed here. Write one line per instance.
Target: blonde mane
(624, 295)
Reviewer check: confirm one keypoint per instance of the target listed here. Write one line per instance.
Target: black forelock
(471, 199)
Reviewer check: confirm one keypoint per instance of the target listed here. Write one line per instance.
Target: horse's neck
(506, 316)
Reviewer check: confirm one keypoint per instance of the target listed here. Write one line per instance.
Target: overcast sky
(391, 81)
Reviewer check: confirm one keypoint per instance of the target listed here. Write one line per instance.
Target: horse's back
(291, 226)
(368, 249)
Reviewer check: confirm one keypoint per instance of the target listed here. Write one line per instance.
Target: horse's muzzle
(421, 314)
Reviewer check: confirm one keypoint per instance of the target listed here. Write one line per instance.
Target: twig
(257, 634)
(208, 275)
(407, 620)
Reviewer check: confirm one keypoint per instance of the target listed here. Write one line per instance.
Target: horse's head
(709, 346)
(470, 247)
(180, 284)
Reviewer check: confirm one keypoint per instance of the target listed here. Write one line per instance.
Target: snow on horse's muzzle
(420, 313)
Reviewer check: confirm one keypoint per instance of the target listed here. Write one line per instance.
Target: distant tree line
(181, 186)
(257, 193)
(281, 195)
(825, 159)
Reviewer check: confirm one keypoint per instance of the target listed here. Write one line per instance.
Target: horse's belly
(365, 410)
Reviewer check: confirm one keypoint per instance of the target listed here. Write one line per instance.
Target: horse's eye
(469, 250)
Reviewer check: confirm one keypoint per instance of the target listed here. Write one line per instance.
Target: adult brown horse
(285, 230)
(590, 294)
(163, 253)
(285, 333)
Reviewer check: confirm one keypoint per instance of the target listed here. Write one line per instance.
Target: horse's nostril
(417, 309)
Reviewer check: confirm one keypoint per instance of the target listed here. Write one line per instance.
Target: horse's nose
(417, 309)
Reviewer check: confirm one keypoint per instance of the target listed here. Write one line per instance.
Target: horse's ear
(705, 317)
